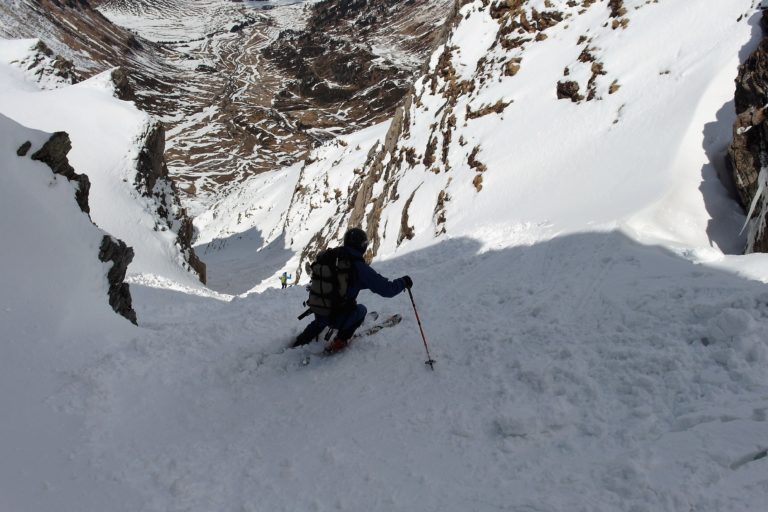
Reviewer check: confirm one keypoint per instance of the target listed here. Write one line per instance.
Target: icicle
(757, 225)
(761, 185)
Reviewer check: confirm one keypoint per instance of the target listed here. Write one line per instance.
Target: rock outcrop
(117, 252)
(153, 182)
(124, 90)
(54, 154)
(749, 151)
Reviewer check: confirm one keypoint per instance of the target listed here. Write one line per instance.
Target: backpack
(331, 274)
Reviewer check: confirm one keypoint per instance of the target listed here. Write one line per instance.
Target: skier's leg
(354, 320)
(311, 332)
(347, 327)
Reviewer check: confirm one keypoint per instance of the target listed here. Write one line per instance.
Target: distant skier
(284, 280)
(338, 275)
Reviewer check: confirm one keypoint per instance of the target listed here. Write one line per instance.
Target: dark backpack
(331, 275)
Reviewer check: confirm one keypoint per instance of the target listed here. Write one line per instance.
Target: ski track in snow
(584, 373)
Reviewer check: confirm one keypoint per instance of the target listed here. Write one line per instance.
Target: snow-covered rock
(109, 140)
(51, 250)
(39, 63)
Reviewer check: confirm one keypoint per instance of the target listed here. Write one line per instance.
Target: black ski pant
(346, 324)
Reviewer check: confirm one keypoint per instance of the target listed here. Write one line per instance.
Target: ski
(390, 321)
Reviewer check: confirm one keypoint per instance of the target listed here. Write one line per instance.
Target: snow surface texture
(587, 373)
(578, 370)
(106, 136)
(54, 315)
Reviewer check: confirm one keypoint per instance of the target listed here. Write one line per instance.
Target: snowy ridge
(38, 63)
(107, 136)
(63, 251)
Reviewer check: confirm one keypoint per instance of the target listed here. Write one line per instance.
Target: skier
(284, 280)
(361, 277)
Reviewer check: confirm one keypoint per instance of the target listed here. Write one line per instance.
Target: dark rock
(121, 256)
(24, 149)
(752, 83)
(54, 154)
(330, 11)
(60, 67)
(185, 239)
(123, 88)
(749, 150)
(151, 166)
(570, 90)
(317, 61)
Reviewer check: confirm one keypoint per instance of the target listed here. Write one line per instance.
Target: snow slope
(54, 316)
(597, 348)
(584, 373)
(106, 136)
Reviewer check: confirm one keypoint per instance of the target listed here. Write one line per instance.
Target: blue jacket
(365, 278)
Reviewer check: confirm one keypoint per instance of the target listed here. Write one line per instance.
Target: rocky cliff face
(54, 154)
(154, 183)
(749, 150)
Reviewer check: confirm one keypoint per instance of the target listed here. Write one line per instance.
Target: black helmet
(356, 238)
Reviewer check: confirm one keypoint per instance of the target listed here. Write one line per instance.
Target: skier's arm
(378, 284)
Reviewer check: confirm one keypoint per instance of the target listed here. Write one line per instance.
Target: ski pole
(431, 362)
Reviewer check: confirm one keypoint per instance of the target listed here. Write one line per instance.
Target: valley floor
(587, 373)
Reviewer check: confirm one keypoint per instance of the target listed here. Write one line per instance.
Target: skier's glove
(407, 281)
